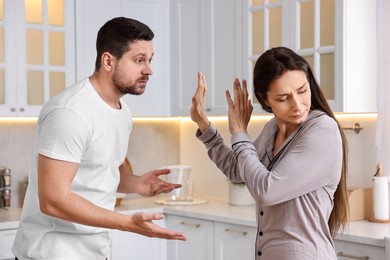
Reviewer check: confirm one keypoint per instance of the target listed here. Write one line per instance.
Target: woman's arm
(313, 162)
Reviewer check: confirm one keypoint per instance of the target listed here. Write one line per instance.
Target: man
(79, 157)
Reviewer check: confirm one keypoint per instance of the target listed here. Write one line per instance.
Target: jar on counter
(6, 177)
(6, 198)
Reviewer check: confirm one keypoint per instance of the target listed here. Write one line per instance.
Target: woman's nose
(295, 102)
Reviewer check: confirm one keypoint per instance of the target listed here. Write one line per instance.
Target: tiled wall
(152, 145)
(155, 143)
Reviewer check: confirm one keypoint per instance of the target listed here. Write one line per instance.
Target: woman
(295, 169)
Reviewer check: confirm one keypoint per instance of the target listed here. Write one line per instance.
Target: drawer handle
(190, 224)
(353, 256)
(244, 233)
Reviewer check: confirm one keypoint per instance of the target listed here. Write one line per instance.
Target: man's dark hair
(116, 35)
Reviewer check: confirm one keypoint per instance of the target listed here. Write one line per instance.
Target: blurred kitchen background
(46, 45)
(156, 142)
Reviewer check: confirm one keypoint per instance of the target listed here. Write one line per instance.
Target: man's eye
(302, 91)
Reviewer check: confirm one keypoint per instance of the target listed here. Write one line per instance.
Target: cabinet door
(127, 245)
(156, 100)
(347, 250)
(154, 13)
(7, 238)
(199, 234)
(207, 36)
(37, 54)
(326, 35)
(234, 242)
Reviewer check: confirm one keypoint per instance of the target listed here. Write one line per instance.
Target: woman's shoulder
(322, 120)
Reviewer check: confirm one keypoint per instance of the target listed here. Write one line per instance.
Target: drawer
(348, 251)
(7, 238)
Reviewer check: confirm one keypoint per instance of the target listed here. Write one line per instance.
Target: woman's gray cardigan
(293, 193)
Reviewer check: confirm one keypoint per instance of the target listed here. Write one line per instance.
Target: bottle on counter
(6, 177)
(6, 198)
(5, 188)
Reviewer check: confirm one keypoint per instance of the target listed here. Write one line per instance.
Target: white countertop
(360, 231)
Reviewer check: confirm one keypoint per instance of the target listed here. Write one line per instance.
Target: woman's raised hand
(240, 109)
(198, 111)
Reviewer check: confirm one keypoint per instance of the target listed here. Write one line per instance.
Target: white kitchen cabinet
(337, 38)
(200, 239)
(348, 250)
(7, 238)
(234, 242)
(211, 240)
(37, 53)
(206, 36)
(127, 245)
(155, 13)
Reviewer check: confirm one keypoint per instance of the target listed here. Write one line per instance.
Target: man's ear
(108, 61)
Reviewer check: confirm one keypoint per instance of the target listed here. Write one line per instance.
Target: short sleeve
(63, 135)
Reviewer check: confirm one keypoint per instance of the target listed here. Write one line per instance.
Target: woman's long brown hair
(271, 65)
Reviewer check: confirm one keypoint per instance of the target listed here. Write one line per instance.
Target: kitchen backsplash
(167, 141)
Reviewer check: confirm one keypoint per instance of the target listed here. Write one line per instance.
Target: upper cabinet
(206, 36)
(47, 45)
(37, 53)
(337, 38)
(155, 13)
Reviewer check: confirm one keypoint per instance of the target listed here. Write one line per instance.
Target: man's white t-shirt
(75, 126)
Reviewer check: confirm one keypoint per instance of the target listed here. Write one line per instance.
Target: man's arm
(148, 184)
(56, 199)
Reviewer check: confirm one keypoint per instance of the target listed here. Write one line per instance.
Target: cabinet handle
(189, 224)
(208, 109)
(244, 233)
(13, 109)
(353, 256)
(21, 109)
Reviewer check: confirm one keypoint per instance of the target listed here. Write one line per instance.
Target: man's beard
(123, 89)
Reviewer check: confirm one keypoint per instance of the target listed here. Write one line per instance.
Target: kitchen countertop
(361, 231)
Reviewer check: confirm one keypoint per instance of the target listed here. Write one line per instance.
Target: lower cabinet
(348, 250)
(234, 242)
(7, 237)
(128, 245)
(209, 240)
(200, 239)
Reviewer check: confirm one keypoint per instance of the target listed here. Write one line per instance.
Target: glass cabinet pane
(258, 32)
(57, 82)
(56, 49)
(34, 45)
(307, 25)
(34, 11)
(275, 30)
(35, 89)
(327, 75)
(1, 10)
(327, 18)
(1, 45)
(55, 12)
(257, 2)
(2, 87)
(310, 60)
